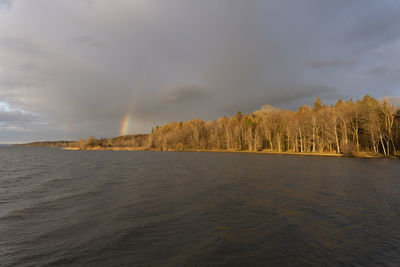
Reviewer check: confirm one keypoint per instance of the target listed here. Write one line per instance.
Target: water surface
(140, 208)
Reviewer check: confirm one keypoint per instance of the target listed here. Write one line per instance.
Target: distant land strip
(363, 128)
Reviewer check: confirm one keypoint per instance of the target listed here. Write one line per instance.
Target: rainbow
(125, 125)
(127, 117)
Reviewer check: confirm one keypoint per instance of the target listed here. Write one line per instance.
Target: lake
(142, 208)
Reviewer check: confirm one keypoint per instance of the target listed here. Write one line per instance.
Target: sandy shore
(100, 148)
(326, 154)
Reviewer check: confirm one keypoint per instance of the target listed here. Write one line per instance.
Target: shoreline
(98, 148)
(318, 154)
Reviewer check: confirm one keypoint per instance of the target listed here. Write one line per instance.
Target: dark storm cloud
(81, 66)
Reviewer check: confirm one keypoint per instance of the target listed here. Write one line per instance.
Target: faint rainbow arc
(127, 117)
(125, 125)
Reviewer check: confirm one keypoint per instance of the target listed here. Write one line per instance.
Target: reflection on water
(109, 208)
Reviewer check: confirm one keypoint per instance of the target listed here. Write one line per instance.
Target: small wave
(44, 206)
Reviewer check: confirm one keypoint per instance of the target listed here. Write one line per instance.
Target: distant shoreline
(325, 154)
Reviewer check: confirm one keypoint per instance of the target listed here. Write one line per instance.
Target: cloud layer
(76, 68)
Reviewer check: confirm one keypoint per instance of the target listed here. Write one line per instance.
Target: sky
(71, 69)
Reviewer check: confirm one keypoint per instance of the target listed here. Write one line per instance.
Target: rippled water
(116, 208)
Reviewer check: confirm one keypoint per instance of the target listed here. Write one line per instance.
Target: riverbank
(318, 154)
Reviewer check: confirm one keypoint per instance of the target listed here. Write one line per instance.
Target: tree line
(49, 143)
(350, 127)
(132, 140)
(368, 124)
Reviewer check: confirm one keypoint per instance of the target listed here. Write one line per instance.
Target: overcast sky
(71, 69)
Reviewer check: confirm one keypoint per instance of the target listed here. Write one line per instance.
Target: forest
(50, 144)
(348, 127)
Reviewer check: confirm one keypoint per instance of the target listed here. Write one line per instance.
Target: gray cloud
(20, 45)
(183, 94)
(5, 4)
(81, 66)
(83, 40)
(379, 71)
(332, 63)
(15, 117)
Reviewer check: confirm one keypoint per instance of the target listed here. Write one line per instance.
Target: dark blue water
(126, 208)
